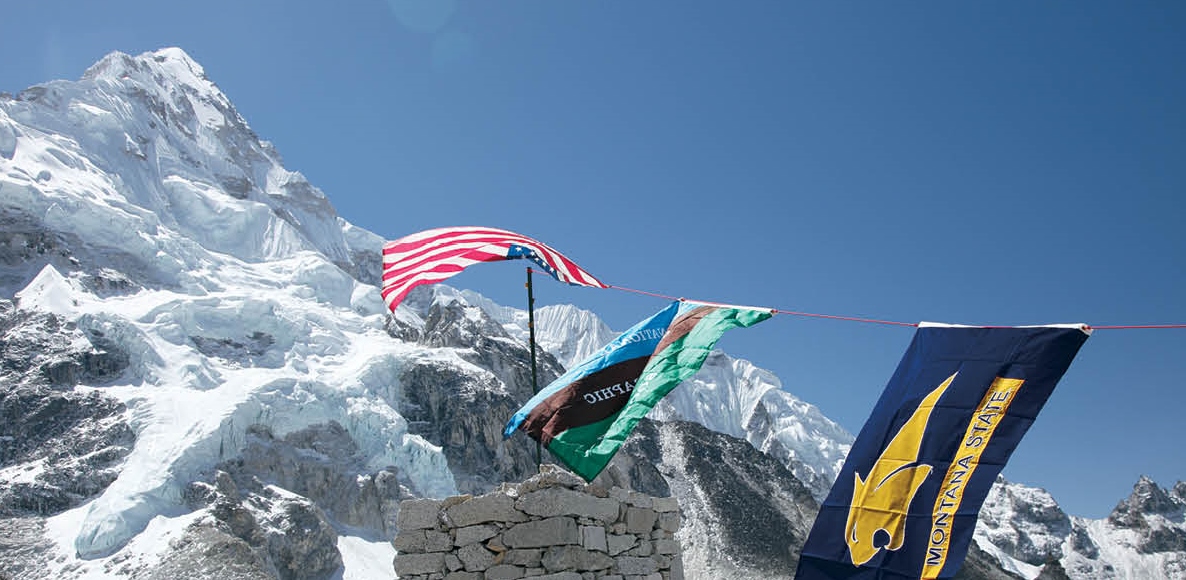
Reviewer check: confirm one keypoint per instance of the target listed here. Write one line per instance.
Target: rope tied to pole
(875, 320)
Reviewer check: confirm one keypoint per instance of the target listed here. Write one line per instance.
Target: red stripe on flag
(435, 255)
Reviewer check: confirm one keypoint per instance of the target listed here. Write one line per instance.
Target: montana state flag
(906, 501)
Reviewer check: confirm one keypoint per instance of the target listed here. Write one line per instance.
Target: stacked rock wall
(550, 527)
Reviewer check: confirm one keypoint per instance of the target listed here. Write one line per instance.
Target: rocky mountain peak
(1024, 522)
(1147, 498)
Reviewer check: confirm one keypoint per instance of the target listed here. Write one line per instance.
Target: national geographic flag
(905, 504)
(584, 416)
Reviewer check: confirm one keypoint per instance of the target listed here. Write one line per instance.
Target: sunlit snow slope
(240, 297)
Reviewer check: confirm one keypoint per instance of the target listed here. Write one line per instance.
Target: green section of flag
(586, 450)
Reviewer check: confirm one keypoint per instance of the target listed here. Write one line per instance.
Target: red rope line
(774, 310)
(849, 318)
(1132, 326)
(875, 320)
(644, 292)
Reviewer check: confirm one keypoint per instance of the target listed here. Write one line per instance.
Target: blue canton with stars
(516, 251)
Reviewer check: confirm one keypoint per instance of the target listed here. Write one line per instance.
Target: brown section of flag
(682, 325)
(586, 400)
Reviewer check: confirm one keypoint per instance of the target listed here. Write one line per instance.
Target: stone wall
(551, 527)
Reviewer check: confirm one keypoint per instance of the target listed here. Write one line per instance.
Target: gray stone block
(435, 541)
(417, 514)
(593, 538)
(596, 490)
(487, 508)
(638, 499)
(560, 576)
(410, 564)
(551, 475)
(560, 558)
(669, 521)
(620, 543)
(644, 548)
(559, 501)
(505, 572)
(666, 547)
(677, 568)
(453, 563)
(454, 500)
(421, 541)
(409, 542)
(636, 566)
(529, 558)
(463, 576)
(475, 557)
(542, 533)
(470, 534)
(665, 504)
(640, 520)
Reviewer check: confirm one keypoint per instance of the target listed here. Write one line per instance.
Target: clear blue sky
(971, 162)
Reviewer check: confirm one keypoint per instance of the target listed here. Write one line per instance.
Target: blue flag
(906, 501)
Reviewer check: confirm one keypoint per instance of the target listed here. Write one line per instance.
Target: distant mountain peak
(173, 62)
(1147, 498)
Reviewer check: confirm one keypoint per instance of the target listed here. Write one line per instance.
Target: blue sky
(972, 162)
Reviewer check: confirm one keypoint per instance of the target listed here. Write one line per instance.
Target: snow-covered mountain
(166, 268)
(1143, 537)
(199, 379)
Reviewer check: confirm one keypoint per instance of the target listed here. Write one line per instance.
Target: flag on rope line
(435, 255)
(906, 501)
(584, 416)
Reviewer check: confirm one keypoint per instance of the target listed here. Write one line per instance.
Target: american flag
(435, 255)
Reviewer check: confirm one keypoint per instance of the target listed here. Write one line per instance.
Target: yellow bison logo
(881, 500)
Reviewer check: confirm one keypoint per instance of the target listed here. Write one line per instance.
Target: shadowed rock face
(208, 551)
(58, 447)
(322, 464)
(1053, 570)
(22, 547)
(27, 245)
(1147, 500)
(979, 565)
(276, 534)
(465, 412)
(762, 513)
(746, 515)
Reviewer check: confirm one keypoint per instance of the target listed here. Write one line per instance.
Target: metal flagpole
(531, 332)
